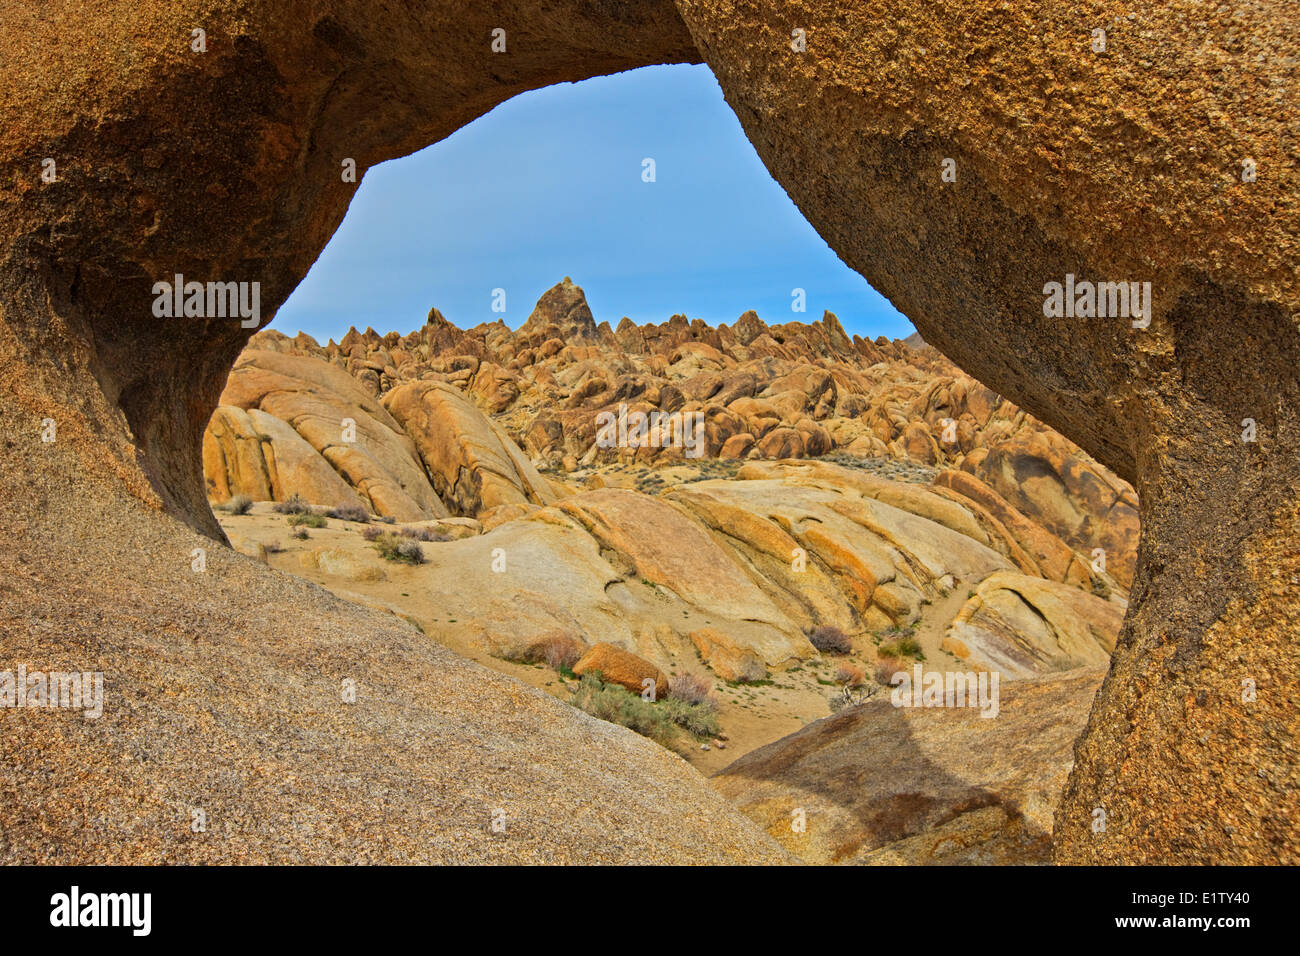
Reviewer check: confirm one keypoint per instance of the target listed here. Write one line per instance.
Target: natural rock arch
(1116, 165)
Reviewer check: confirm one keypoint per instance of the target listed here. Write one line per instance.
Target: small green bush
(308, 519)
(393, 548)
(619, 706)
(906, 646)
(700, 719)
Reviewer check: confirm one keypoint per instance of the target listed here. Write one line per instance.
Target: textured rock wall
(1118, 165)
(225, 165)
(1124, 165)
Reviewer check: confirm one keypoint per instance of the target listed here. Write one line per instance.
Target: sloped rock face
(226, 165)
(740, 571)
(354, 436)
(1127, 166)
(1104, 167)
(256, 454)
(1022, 627)
(473, 466)
(879, 784)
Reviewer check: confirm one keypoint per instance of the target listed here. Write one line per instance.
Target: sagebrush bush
(350, 512)
(393, 548)
(371, 533)
(905, 646)
(700, 719)
(410, 551)
(886, 668)
(239, 505)
(830, 640)
(557, 653)
(691, 688)
(423, 534)
(308, 519)
(560, 655)
(850, 676)
(750, 671)
(619, 706)
(293, 505)
(300, 533)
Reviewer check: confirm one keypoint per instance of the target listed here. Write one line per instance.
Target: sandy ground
(750, 715)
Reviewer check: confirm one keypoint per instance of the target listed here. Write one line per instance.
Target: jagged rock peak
(563, 305)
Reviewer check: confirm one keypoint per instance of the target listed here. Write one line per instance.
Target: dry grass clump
(830, 640)
(350, 512)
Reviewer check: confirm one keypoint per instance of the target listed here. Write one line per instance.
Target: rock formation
(217, 156)
(767, 392)
(1105, 167)
(880, 784)
(223, 686)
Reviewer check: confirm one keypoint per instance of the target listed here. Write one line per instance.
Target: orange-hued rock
(472, 464)
(1050, 556)
(352, 432)
(669, 549)
(617, 666)
(729, 659)
(255, 454)
(815, 393)
(972, 160)
(1060, 489)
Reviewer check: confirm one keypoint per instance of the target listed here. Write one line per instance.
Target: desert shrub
(293, 505)
(350, 512)
(273, 547)
(750, 671)
(308, 519)
(301, 534)
(850, 676)
(393, 548)
(423, 534)
(691, 688)
(410, 551)
(700, 719)
(371, 533)
(386, 519)
(905, 646)
(239, 505)
(557, 653)
(619, 706)
(560, 655)
(886, 668)
(830, 640)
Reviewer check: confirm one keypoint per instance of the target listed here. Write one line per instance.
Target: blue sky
(550, 184)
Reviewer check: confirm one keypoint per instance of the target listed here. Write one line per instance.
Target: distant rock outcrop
(758, 392)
